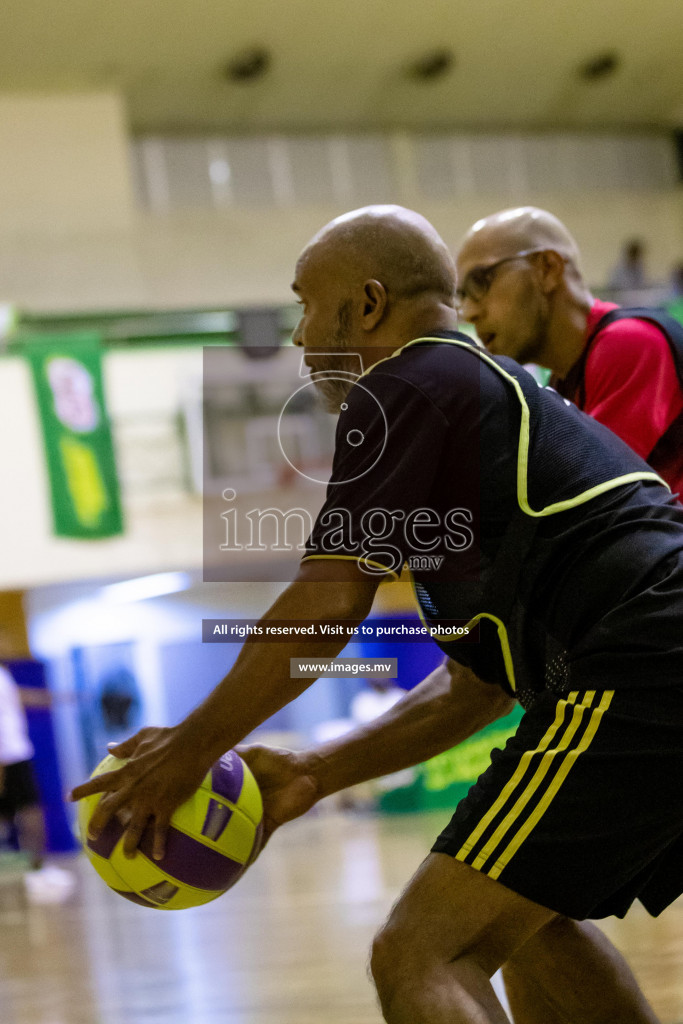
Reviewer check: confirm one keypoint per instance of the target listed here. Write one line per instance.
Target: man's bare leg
(570, 973)
(449, 932)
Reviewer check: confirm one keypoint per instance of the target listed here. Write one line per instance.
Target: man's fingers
(133, 834)
(126, 748)
(131, 746)
(159, 845)
(134, 822)
(269, 826)
(251, 754)
(106, 809)
(100, 784)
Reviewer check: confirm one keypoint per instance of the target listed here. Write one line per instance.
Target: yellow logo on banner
(466, 762)
(84, 481)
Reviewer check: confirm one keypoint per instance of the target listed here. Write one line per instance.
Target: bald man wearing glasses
(520, 284)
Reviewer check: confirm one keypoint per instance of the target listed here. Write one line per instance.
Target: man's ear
(551, 266)
(375, 302)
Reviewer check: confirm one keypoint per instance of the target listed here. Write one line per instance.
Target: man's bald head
(390, 244)
(370, 282)
(518, 230)
(520, 285)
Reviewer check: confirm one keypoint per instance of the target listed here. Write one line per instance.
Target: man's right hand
(287, 787)
(160, 772)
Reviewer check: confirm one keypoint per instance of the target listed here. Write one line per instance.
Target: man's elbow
(341, 589)
(491, 699)
(353, 602)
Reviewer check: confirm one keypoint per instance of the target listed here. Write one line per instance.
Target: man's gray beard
(333, 390)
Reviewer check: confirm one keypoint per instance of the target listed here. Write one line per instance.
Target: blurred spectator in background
(676, 292)
(20, 809)
(520, 284)
(629, 275)
(369, 703)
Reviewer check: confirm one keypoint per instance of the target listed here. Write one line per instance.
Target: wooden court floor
(288, 945)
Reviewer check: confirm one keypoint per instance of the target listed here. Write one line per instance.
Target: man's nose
(296, 336)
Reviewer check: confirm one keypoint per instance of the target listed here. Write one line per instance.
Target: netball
(212, 839)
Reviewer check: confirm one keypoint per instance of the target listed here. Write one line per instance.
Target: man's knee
(401, 959)
(400, 967)
(559, 929)
(450, 919)
(539, 954)
(387, 955)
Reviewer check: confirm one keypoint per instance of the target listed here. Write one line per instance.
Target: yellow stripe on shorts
(560, 776)
(555, 764)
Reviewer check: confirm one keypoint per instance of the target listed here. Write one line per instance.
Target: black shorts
(582, 811)
(18, 789)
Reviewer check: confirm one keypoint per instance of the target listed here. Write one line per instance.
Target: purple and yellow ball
(212, 839)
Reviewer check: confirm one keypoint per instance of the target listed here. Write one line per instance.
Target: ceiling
(342, 64)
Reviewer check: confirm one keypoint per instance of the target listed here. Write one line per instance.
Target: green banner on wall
(67, 375)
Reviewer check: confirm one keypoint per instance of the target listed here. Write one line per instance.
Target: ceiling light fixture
(144, 587)
(249, 65)
(601, 66)
(432, 65)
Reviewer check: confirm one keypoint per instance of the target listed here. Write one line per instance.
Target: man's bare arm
(446, 708)
(167, 765)
(442, 711)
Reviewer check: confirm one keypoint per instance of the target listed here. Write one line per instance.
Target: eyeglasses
(479, 279)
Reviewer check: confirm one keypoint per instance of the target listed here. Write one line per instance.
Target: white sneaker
(49, 885)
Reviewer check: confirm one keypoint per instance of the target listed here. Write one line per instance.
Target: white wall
(193, 262)
(64, 165)
(240, 257)
(73, 239)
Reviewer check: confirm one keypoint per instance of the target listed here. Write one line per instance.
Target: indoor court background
(162, 166)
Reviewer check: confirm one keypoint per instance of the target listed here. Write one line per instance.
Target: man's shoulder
(432, 347)
(448, 371)
(630, 339)
(450, 353)
(430, 358)
(454, 363)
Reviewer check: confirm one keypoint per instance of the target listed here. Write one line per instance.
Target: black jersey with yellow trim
(456, 446)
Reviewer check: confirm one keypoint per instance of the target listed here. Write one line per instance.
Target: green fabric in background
(84, 486)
